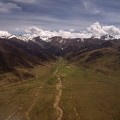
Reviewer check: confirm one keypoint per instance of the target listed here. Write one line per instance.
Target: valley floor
(62, 91)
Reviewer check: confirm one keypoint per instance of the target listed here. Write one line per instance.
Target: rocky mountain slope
(15, 52)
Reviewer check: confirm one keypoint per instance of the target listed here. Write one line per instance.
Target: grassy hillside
(104, 61)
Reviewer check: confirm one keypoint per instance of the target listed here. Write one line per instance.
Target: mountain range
(18, 52)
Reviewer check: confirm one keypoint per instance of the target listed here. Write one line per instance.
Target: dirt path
(59, 111)
(10, 116)
(14, 114)
(33, 104)
(76, 113)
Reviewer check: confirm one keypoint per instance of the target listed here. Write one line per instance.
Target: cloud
(97, 30)
(90, 7)
(4, 33)
(34, 31)
(59, 14)
(8, 7)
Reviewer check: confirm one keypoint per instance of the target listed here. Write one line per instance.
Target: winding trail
(59, 85)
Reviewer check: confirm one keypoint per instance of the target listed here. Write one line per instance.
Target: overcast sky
(17, 15)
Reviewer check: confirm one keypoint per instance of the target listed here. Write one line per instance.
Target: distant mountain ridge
(27, 37)
(15, 51)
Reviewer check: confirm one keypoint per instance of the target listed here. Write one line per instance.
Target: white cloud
(8, 7)
(94, 30)
(34, 31)
(97, 30)
(112, 30)
(4, 33)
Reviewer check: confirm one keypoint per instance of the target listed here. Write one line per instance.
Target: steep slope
(48, 46)
(33, 48)
(11, 56)
(16, 54)
(103, 58)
